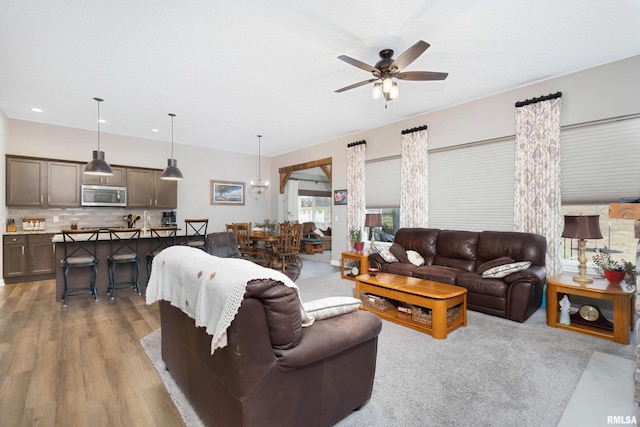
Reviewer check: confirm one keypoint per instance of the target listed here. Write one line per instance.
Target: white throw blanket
(207, 288)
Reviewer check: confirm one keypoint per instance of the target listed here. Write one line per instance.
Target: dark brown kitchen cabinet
(28, 257)
(118, 179)
(145, 189)
(42, 183)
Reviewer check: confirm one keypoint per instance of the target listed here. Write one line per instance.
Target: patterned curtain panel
(537, 176)
(414, 200)
(355, 187)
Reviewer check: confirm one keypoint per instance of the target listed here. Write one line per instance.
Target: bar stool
(198, 228)
(80, 249)
(124, 250)
(162, 238)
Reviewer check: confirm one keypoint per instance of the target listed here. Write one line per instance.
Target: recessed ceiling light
(155, 130)
(102, 121)
(36, 110)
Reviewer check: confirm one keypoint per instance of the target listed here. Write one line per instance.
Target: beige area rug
(493, 372)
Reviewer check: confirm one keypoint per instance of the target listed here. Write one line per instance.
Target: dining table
(270, 242)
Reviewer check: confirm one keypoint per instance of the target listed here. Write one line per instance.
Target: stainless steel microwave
(99, 195)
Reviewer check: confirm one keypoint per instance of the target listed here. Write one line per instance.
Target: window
(315, 209)
(382, 178)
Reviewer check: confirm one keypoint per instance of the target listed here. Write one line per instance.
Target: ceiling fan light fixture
(258, 188)
(395, 91)
(377, 91)
(387, 83)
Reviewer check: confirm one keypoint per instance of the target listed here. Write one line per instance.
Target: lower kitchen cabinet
(28, 257)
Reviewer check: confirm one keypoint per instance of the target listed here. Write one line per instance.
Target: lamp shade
(98, 166)
(171, 172)
(582, 227)
(373, 220)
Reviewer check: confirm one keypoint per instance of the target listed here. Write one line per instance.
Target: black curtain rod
(539, 99)
(353, 144)
(418, 129)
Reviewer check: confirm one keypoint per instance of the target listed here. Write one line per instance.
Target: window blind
(382, 181)
(471, 187)
(600, 162)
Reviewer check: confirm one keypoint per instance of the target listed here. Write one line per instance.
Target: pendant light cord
(259, 156)
(99, 100)
(172, 116)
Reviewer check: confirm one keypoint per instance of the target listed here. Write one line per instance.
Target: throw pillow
(415, 258)
(327, 232)
(399, 252)
(331, 306)
(384, 253)
(318, 232)
(494, 263)
(505, 270)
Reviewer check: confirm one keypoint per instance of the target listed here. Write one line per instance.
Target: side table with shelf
(623, 299)
(361, 261)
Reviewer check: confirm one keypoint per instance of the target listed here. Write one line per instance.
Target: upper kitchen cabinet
(145, 189)
(118, 179)
(42, 183)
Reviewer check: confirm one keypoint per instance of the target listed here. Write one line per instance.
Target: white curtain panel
(356, 201)
(291, 203)
(414, 197)
(537, 176)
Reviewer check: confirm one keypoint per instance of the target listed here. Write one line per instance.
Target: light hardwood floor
(78, 366)
(83, 365)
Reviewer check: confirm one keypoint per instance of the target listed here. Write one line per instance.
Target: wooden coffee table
(439, 297)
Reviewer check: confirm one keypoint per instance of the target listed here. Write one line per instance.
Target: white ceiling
(232, 69)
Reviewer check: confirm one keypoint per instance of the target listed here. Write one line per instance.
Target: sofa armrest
(376, 261)
(534, 274)
(326, 338)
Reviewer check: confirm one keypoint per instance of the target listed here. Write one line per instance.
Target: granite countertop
(103, 235)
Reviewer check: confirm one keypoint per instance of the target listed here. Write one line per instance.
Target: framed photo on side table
(227, 193)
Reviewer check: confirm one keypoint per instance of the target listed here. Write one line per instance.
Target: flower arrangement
(604, 261)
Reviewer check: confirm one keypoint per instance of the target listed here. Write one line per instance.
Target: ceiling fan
(387, 69)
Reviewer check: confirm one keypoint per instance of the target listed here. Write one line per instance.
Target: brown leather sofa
(455, 257)
(222, 244)
(273, 372)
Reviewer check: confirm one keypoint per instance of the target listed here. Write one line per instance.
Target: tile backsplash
(85, 217)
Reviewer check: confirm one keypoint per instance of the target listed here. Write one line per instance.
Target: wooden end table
(439, 297)
(359, 258)
(623, 298)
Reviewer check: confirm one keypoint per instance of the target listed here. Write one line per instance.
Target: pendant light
(98, 166)
(258, 188)
(171, 172)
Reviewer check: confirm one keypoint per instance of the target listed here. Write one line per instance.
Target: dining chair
(80, 250)
(247, 249)
(288, 251)
(161, 238)
(124, 250)
(196, 232)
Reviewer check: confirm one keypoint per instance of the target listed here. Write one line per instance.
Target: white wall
(198, 166)
(606, 91)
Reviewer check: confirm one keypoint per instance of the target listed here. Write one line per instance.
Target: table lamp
(582, 227)
(373, 220)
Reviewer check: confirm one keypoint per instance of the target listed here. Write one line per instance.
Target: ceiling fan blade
(358, 64)
(409, 55)
(355, 85)
(421, 75)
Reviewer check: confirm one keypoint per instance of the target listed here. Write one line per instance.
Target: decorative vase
(358, 246)
(614, 277)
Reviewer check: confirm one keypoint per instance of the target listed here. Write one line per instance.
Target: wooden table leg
(552, 306)
(621, 319)
(439, 319)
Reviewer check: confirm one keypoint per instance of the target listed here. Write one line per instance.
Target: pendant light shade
(98, 165)
(259, 187)
(171, 172)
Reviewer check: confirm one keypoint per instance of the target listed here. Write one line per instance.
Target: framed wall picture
(340, 197)
(227, 193)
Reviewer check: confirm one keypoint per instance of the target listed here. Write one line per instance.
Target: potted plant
(614, 271)
(267, 226)
(356, 238)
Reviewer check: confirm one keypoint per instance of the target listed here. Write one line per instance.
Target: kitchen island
(79, 277)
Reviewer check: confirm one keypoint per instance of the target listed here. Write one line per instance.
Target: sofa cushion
(516, 245)
(402, 268)
(331, 306)
(385, 253)
(422, 240)
(399, 252)
(457, 249)
(501, 271)
(415, 258)
(477, 285)
(282, 309)
(494, 263)
(437, 273)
